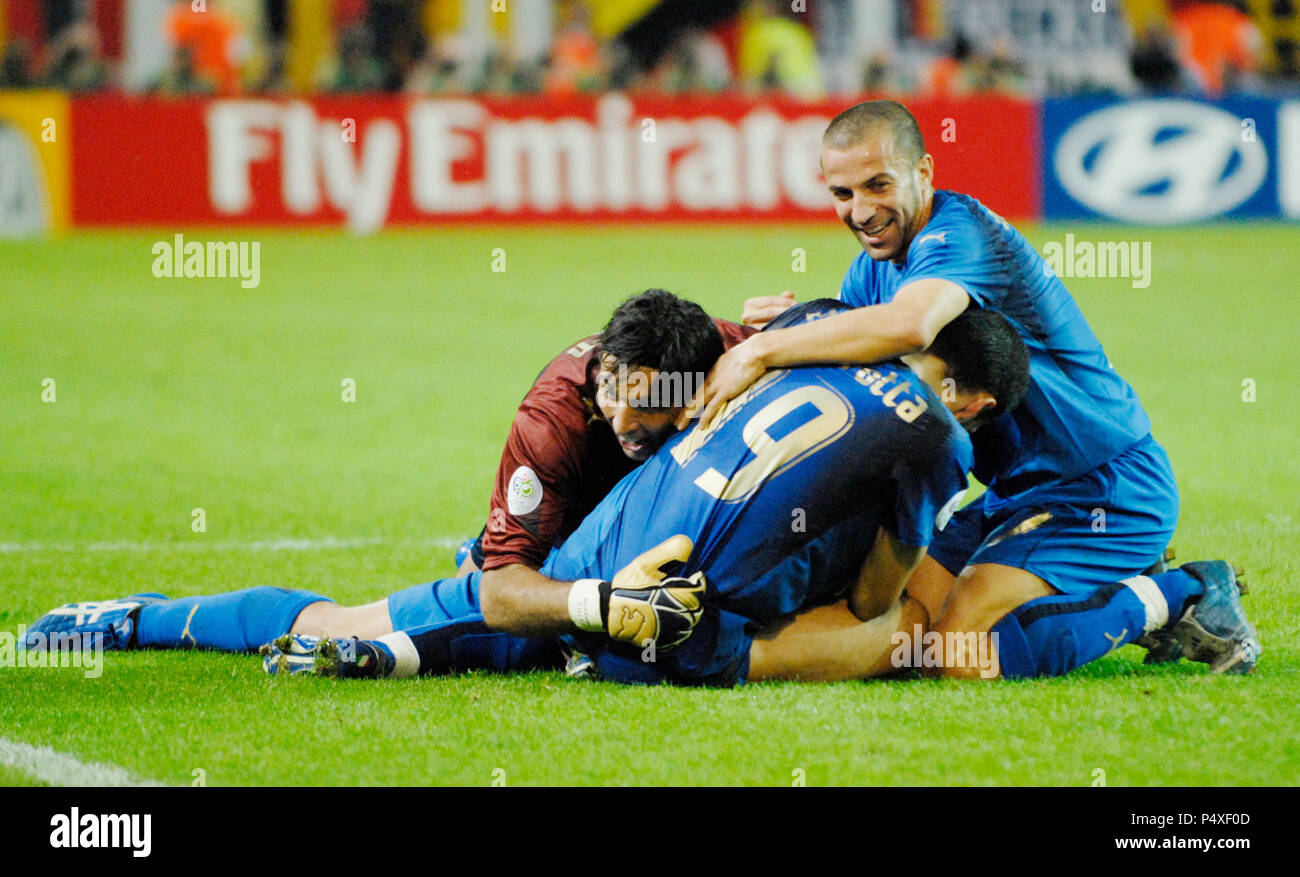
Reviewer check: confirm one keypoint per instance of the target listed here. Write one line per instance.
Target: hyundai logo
(1160, 161)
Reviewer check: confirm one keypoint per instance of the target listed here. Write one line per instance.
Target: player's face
(965, 405)
(627, 399)
(882, 197)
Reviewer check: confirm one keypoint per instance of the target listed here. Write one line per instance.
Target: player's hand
(664, 614)
(730, 376)
(765, 308)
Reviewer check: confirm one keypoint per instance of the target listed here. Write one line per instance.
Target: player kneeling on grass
(1029, 562)
(592, 415)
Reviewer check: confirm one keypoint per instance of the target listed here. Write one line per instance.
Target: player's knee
(984, 594)
(967, 648)
(330, 619)
(317, 618)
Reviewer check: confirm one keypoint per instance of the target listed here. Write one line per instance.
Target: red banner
(367, 162)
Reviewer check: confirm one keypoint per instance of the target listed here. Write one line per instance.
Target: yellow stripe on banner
(310, 42)
(41, 121)
(609, 18)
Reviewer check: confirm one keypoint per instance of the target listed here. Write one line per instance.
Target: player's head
(654, 354)
(978, 364)
(879, 175)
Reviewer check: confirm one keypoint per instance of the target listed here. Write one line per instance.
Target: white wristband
(584, 604)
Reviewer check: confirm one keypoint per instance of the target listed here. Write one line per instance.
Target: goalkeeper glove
(663, 613)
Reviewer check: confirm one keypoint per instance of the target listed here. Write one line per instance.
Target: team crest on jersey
(525, 491)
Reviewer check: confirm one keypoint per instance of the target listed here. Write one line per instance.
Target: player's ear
(980, 402)
(925, 168)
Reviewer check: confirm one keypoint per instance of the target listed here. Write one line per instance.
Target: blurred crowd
(800, 48)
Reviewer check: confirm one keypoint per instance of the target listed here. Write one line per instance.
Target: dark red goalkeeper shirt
(560, 459)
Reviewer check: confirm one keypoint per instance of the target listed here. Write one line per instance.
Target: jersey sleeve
(929, 490)
(959, 252)
(534, 486)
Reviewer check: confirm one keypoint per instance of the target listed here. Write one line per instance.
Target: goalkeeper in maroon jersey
(583, 425)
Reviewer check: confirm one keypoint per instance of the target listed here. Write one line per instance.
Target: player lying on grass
(780, 504)
(575, 434)
(1081, 498)
(819, 485)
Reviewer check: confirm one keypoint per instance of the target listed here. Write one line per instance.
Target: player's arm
(885, 571)
(906, 324)
(539, 465)
(520, 600)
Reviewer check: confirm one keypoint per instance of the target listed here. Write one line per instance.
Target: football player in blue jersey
(1061, 557)
(779, 504)
(819, 485)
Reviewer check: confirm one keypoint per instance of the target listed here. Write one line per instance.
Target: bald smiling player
(1030, 561)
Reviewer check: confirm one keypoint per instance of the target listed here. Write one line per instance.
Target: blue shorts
(1099, 528)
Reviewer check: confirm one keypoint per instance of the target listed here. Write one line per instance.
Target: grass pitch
(173, 395)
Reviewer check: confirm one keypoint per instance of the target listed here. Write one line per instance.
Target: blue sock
(239, 621)
(1051, 636)
(1178, 587)
(443, 600)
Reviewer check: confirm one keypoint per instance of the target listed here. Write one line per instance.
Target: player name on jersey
(909, 408)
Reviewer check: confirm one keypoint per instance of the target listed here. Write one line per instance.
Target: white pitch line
(327, 544)
(61, 769)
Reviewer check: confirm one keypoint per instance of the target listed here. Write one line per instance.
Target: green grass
(182, 394)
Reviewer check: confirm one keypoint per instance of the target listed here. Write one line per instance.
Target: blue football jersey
(779, 500)
(1078, 413)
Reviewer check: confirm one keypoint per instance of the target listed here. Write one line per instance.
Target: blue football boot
(579, 666)
(345, 658)
(464, 550)
(288, 654)
(111, 621)
(1214, 629)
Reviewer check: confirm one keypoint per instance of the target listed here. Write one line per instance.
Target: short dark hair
(657, 330)
(983, 351)
(859, 121)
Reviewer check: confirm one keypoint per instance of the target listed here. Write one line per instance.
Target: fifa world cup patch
(525, 492)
